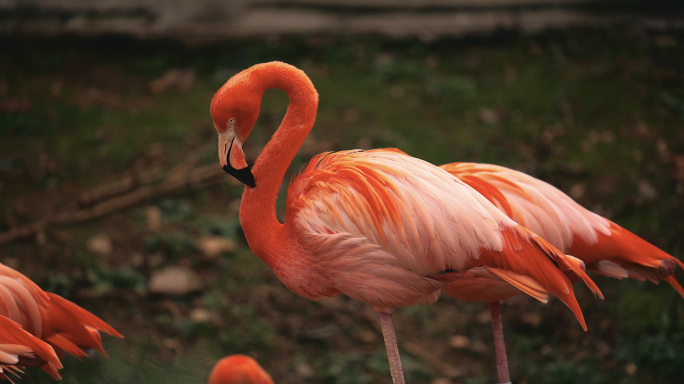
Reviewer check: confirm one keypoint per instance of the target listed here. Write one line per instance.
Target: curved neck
(257, 210)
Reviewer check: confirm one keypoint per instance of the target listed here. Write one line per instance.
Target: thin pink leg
(392, 350)
(499, 344)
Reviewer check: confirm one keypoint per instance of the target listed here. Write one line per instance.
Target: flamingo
(380, 226)
(50, 318)
(604, 246)
(19, 348)
(238, 369)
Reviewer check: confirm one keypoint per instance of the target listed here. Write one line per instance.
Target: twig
(182, 176)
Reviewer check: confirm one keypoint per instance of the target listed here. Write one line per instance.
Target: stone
(212, 246)
(174, 280)
(459, 341)
(200, 315)
(100, 244)
(154, 218)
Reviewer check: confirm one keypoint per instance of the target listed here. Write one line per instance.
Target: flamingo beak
(244, 175)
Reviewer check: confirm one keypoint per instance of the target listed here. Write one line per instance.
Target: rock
(459, 341)
(212, 246)
(174, 281)
(200, 315)
(154, 218)
(100, 244)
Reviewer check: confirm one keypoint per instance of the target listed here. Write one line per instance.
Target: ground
(597, 113)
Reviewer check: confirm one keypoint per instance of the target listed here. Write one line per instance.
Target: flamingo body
(238, 369)
(19, 348)
(379, 226)
(386, 226)
(49, 317)
(604, 246)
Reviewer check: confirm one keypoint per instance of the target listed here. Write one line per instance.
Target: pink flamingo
(50, 318)
(380, 226)
(19, 348)
(604, 246)
(238, 369)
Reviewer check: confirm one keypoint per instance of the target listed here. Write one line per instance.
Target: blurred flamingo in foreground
(380, 226)
(50, 318)
(19, 348)
(602, 245)
(238, 369)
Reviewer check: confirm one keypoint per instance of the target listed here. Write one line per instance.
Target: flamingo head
(238, 369)
(235, 109)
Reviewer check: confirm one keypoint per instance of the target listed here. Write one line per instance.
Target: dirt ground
(111, 195)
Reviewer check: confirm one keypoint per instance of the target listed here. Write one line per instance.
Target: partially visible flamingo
(602, 245)
(49, 317)
(19, 348)
(379, 226)
(238, 369)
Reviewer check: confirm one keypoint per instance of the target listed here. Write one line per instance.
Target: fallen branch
(184, 175)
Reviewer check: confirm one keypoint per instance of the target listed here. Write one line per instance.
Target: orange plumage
(19, 348)
(599, 244)
(49, 317)
(238, 369)
(380, 226)
(604, 246)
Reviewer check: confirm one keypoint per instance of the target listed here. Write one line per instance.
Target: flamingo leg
(392, 349)
(499, 344)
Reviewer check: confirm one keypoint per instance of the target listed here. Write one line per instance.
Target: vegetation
(597, 113)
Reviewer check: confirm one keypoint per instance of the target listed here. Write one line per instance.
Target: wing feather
(391, 225)
(403, 204)
(604, 246)
(532, 203)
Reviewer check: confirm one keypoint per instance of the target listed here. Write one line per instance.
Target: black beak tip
(244, 175)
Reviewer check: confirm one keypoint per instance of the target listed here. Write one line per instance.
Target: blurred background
(111, 194)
